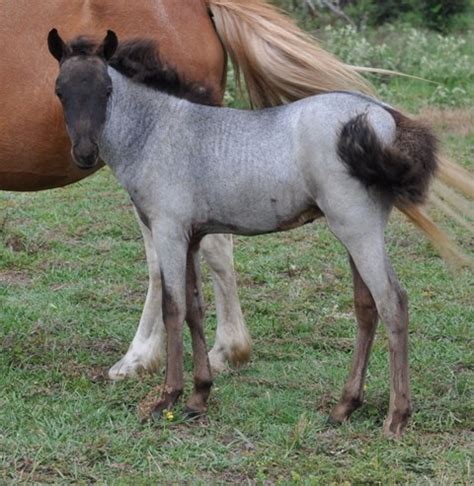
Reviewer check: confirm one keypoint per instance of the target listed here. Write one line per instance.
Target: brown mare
(278, 62)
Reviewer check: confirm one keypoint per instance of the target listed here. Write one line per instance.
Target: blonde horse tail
(449, 250)
(455, 176)
(278, 61)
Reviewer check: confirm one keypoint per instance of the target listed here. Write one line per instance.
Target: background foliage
(439, 15)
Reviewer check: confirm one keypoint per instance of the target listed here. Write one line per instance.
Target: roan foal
(192, 170)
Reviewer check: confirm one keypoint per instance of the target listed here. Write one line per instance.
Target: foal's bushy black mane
(140, 61)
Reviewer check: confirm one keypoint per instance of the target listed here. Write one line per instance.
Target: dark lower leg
(367, 316)
(173, 386)
(400, 401)
(197, 403)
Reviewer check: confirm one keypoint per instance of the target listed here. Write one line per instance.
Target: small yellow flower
(169, 415)
(365, 387)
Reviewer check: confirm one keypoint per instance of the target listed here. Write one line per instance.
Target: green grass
(72, 284)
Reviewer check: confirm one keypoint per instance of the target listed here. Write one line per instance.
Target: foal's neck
(134, 112)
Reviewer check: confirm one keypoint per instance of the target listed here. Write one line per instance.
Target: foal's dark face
(83, 87)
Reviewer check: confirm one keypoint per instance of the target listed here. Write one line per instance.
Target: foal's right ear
(56, 45)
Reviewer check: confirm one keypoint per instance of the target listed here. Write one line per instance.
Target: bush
(441, 59)
(434, 14)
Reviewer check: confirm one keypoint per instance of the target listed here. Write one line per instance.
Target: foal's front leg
(197, 403)
(172, 263)
(232, 338)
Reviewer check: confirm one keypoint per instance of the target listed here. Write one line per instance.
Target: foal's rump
(355, 148)
(380, 146)
(402, 169)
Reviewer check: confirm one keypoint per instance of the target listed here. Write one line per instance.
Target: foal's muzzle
(85, 154)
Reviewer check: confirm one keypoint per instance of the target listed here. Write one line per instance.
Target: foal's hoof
(159, 409)
(190, 414)
(394, 430)
(164, 405)
(395, 423)
(332, 422)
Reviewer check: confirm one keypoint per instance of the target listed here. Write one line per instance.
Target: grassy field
(72, 284)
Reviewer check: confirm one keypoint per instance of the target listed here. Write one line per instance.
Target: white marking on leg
(147, 348)
(232, 337)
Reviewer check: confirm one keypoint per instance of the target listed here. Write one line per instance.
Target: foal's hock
(192, 170)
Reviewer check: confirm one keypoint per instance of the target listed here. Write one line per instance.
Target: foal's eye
(109, 92)
(59, 94)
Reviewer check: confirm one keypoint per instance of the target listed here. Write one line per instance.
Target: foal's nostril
(85, 154)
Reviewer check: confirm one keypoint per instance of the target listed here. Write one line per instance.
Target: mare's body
(35, 148)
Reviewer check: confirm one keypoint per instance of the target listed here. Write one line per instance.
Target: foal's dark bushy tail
(404, 169)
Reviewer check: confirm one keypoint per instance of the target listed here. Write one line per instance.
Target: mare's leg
(358, 221)
(197, 403)
(146, 349)
(367, 316)
(232, 338)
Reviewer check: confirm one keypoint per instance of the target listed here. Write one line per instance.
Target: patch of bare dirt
(96, 374)
(455, 120)
(147, 405)
(19, 243)
(14, 277)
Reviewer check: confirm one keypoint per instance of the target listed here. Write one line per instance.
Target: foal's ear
(56, 45)
(108, 46)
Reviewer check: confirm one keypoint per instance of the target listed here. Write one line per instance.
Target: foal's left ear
(56, 45)
(108, 46)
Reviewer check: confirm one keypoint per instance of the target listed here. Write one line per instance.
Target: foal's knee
(154, 278)
(393, 308)
(365, 309)
(172, 311)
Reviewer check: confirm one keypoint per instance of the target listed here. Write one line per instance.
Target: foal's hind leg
(197, 403)
(146, 349)
(367, 316)
(359, 225)
(232, 338)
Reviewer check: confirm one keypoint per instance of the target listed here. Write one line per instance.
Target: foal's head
(83, 86)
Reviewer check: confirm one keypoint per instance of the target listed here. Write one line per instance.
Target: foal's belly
(263, 225)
